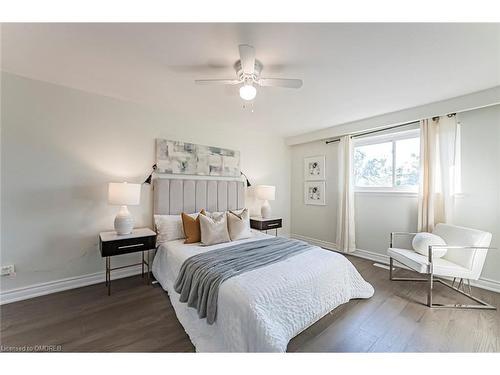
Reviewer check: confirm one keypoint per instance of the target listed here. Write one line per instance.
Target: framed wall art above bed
(175, 157)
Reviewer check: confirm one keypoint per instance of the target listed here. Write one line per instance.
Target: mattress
(263, 309)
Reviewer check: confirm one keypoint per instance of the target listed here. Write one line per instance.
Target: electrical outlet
(8, 270)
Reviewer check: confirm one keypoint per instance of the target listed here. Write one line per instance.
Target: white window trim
(389, 191)
(386, 138)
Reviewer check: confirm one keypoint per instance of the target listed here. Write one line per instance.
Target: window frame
(387, 138)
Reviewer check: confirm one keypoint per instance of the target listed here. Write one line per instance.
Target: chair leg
(429, 291)
(460, 288)
(481, 304)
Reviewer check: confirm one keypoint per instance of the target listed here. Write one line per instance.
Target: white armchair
(466, 252)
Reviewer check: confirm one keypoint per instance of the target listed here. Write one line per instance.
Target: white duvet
(262, 310)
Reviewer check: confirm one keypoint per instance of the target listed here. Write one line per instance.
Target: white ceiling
(350, 71)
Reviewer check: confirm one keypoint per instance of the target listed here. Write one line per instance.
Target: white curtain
(440, 166)
(345, 212)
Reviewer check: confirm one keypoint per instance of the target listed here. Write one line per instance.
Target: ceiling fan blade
(247, 57)
(281, 82)
(217, 81)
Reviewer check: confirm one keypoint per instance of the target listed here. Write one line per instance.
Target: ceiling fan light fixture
(248, 71)
(248, 92)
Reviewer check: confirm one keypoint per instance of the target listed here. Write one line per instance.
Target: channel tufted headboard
(173, 196)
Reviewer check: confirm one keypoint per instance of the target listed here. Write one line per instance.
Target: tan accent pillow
(192, 227)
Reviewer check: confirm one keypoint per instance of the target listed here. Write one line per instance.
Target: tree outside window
(390, 164)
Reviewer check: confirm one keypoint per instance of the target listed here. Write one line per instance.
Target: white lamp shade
(124, 194)
(265, 192)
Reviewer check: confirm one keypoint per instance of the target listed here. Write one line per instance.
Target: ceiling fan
(248, 71)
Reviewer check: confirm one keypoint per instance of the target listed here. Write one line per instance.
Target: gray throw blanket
(201, 275)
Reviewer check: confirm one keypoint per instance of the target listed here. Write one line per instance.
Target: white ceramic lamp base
(265, 210)
(124, 222)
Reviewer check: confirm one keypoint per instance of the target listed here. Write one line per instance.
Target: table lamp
(266, 193)
(124, 194)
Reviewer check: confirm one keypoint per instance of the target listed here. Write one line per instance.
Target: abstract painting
(314, 193)
(176, 157)
(314, 168)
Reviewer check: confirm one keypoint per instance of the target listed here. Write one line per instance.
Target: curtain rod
(374, 131)
(384, 129)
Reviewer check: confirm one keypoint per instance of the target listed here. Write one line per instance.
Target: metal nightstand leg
(108, 274)
(142, 265)
(275, 231)
(149, 272)
(145, 261)
(106, 283)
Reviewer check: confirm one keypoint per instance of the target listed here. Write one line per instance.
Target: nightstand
(111, 244)
(262, 224)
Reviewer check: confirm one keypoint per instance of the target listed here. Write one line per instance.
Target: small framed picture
(314, 168)
(314, 193)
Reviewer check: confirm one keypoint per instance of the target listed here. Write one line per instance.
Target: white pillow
(169, 228)
(214, 229)
(422, 241)
(239, 225)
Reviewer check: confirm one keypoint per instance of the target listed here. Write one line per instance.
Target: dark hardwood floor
(140, 318)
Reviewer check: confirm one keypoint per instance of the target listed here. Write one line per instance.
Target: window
(387, 162)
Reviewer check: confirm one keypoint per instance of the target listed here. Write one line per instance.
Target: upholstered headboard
(173, 196)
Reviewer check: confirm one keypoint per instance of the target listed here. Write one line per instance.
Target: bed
(260, 310)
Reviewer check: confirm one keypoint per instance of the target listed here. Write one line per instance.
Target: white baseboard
(483, 282)
(371, 255)
(42, 289)
(488, 284)
(314, 241)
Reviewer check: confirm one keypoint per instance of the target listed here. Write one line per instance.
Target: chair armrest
(431, 247)
(461, 247)
(394, 234)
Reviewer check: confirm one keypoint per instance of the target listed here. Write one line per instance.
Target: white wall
(59, 149)
(318, 222)
(378, 214)
(480, 205)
